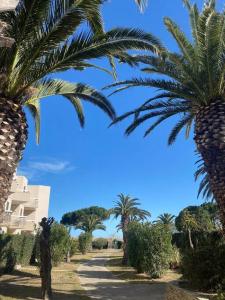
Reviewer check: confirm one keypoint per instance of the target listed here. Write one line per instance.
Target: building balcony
(16, 222)
(20, 197)
(31, 205)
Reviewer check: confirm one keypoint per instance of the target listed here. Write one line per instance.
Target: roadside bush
(117, 244)
(149, 248)
(100, 244)
(204, 265)
(175, 259)
(60, 243)
(85, 242)
(15, 250)
(74, 246)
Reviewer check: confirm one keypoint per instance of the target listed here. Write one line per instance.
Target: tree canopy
(74, 218)
(199, 218)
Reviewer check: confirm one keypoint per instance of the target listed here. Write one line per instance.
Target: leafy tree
(127, 209)
(192, 86)
(74, 218)
(197, 218)
(49, 39)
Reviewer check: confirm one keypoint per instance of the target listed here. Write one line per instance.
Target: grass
(129, 274)
(25, 283)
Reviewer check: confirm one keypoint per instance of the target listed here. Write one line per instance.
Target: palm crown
(47, 42)
(166, 219)
(192, 87)
(50, 36)
(127, 208)
(90, 223)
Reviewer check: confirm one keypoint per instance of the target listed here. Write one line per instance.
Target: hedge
(85, 242)
(15, 250)
(149, 248)
(100, 244)
(203, 266)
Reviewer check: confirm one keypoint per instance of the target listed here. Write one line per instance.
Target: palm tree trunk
(13, 137)
(210, 140)
(125, 223)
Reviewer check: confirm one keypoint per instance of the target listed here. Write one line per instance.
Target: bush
(60, 243)
(117, 244)
(204, 265)
(175, 259)
(85, 241)
(74, 246)
(15, 250)
(149, 248)
(100, 244)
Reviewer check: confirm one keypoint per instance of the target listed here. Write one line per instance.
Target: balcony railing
(20, 197)
(16, 222)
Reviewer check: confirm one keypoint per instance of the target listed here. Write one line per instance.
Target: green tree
(127, 209)
(59, 242)
(192, 87)
(75, 217)
(49, 39)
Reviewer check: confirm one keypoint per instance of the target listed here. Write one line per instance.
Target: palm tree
(192, 87)
(90, 223)
(127, 209)
(49, 39)
(166, 219)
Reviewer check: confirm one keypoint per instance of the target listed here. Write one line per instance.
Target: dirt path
(102, 284)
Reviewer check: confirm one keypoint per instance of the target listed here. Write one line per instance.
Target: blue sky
(92, 166)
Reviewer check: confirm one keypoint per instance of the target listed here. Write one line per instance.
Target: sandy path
(102, 284)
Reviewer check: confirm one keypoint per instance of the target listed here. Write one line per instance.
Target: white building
(25, 207)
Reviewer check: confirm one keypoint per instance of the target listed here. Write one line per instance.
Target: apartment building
(25, 207)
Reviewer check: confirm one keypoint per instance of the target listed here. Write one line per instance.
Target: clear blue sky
(91, 166)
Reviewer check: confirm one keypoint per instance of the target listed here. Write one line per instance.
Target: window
(7, 206)
(21, 212)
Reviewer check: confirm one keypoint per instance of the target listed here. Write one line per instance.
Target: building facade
(25, 207)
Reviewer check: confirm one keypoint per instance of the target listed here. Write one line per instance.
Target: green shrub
(204, 265)
(175, 259)
(74, 246)
(149, 248)
(117, 244)
(100, 244)
(60, 243)
(15, 250)
(85, 241)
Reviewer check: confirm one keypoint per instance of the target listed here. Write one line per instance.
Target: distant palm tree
(166, 219)
(90, 223)
(127, 209)
(49, 39)
(192, 87)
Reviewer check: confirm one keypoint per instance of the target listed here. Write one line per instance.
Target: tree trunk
(45, 257)
(210, 140)
(190, 239)
(125, 223)
(13, 137)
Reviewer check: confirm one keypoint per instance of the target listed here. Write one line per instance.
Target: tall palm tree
(90, 223)
(127, 209)
(193, 88)
(166, 219)
(49, 39)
